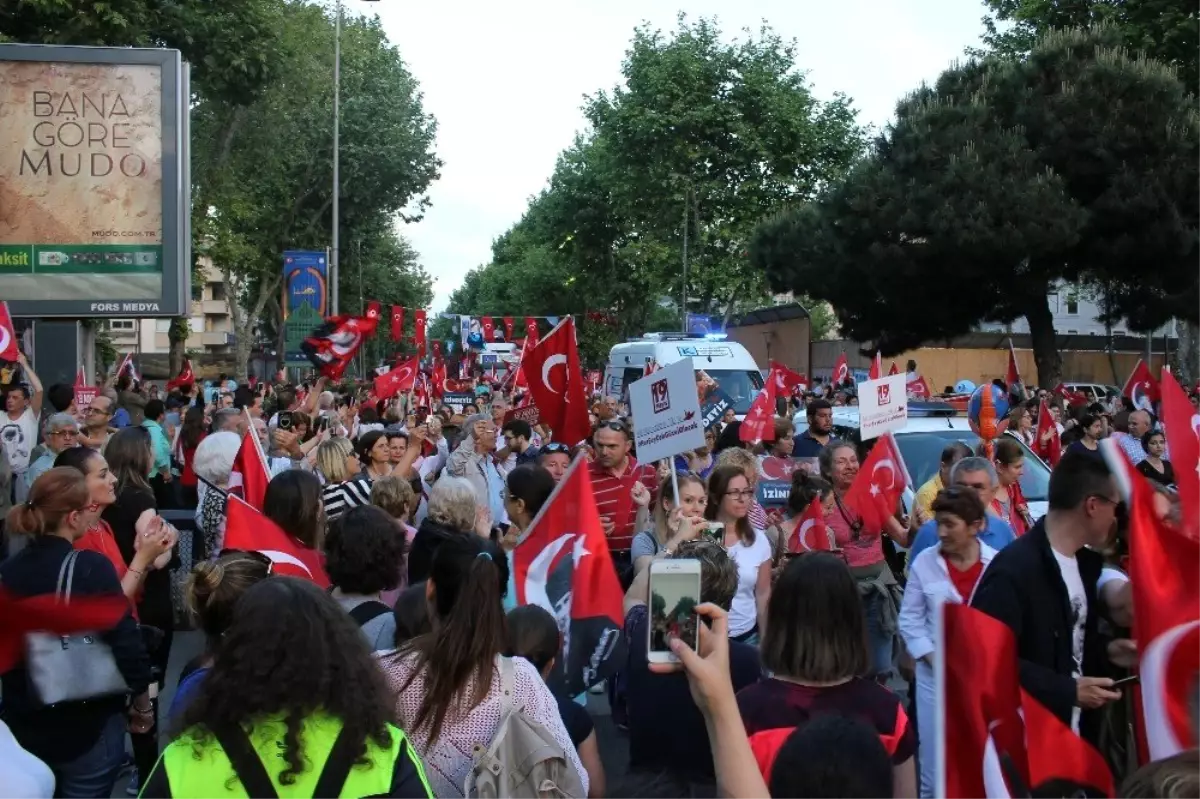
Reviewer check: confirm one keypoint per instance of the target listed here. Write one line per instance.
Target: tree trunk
(177, 334)
(1189, 353)
(1045, 342)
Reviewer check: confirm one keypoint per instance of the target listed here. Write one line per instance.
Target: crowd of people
(404, 666)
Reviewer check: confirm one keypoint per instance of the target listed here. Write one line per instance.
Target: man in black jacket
(1048, 587)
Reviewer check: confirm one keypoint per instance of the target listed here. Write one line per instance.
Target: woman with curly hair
(364, 551)
(293, 706)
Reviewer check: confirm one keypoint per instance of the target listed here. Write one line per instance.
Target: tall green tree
(233, 49)
(1007, 176)
(263, 182)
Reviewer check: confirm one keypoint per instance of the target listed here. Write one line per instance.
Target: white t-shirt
(19, 437)
(23, 774)
(743, 614)
(1069, 568)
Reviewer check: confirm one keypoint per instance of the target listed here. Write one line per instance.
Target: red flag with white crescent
(248, 529)
(8, 337)
(759, 424)
(811, 534)
(841, 370)
(397, 322)
(876, 371)
(556, 384)
(563, 564)
(1141, 387)
(402, 377)
(879, 484)
(250, 475)
(1181, 423)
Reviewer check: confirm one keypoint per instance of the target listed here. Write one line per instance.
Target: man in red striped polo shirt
(624, 490)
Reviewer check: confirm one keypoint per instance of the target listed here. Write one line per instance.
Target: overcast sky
(506, 80)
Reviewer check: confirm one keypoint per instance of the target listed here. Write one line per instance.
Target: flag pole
(580, 458)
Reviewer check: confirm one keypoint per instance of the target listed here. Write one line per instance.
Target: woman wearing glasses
(948, 572)
(729, 498)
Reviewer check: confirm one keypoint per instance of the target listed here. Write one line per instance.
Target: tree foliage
(1008, 175)
(262, 175)
(703, 135)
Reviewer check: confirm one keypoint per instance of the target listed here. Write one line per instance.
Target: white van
(726, 362)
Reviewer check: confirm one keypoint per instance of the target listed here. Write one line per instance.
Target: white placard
(882, 406)
(666, 413)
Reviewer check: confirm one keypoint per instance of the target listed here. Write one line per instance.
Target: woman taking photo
(1010, 504)
(344, 488)
(674, 522)
(317, 725)
(152, 551)
(449, 685)
(862, 551)
(83, 742)
(133, 517)
(729, 497)
(815, 646)
(944, 573)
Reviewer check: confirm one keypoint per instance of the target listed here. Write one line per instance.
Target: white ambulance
(725, 361)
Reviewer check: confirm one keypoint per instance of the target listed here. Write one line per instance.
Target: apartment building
(210, 323)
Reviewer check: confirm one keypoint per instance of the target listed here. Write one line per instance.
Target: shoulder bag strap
(368, 611)
(64, 590)
(337, 767)
(247, 765)
(507, 700)
(60, 586)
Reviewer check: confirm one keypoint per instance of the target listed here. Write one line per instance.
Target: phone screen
(673, 600)
(715, 532)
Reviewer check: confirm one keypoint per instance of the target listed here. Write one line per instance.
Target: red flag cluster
(555, 378)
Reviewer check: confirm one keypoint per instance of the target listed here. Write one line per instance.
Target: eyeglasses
(744, 494)
(65, 433)
(103, 411)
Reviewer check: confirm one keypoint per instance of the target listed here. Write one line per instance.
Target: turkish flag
(650, 368)
(841, 370)
(531, 331)
(1049, 448)
(508, 328)
(786, 381)
(400, 378)
(1012, 376)
(397, 322)
(563, 564)
(980, 699)
(876, 367)
(186, 377)
(919, 388)
(247, 529)
(998, 740)
(811, 534)
(419, 331)
(250, 474)
(8, 336)
(1141, 387)
(1182, 426)
(558, 392)
(438, 388)
(893, 369)
(878, 486)
(759, 424)
(1164, 569)
(373, 312)
(334, 344)
(489, 328)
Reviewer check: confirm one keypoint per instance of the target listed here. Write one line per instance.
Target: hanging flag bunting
(464, 331)
(508, 328)
(531, 332)
(397, 322)
(373, 312)
(419, 332)
(489, 328)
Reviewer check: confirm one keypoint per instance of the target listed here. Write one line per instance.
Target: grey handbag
(71, 668)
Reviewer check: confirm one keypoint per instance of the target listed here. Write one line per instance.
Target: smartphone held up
(674, 595)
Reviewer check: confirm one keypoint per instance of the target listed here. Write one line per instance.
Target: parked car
(931, 427)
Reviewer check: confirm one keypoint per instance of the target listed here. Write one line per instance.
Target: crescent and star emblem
(551, 362)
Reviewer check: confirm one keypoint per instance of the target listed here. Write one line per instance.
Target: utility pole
(362, 309)
(683, 306)
(334, 257)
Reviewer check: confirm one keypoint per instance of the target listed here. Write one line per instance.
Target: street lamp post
(335, 258)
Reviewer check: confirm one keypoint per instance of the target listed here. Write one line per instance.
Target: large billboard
(304, 276)
(94, 181)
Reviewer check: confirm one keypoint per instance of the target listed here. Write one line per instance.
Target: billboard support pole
(335, 260)
(57, 350)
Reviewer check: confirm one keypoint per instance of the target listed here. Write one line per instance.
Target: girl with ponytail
(447, 683)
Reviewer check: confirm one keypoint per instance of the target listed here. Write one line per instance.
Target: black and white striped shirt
(341, 497)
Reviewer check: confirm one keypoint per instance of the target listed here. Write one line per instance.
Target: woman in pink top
(862, 549)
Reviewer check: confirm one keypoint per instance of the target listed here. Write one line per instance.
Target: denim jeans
(879, 641)
(93, 774)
